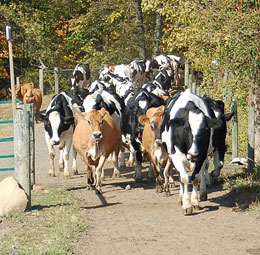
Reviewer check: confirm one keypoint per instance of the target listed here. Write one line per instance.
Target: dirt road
(140, 221)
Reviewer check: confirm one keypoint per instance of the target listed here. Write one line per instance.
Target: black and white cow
(220, 133)
(138, 67)
(173, 61)
(122, 70)
(81, 76)
(122, 85)
(155, 89)
(137, 104)
(59, 126)
(100, 84)
(188, 131)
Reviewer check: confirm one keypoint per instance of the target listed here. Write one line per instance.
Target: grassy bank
(244, 188)
(49, 228)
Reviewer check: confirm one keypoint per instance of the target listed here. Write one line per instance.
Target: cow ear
(103, 112)
(214, 123)
(177, 122)
(143, 119)
(78, 117)
(228, 116)
(161, 108)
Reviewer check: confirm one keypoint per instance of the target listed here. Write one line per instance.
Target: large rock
(12, 197)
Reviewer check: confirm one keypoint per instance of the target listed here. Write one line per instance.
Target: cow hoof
(159, 189)
(167, 193)
(203, 197)
(196, 207)
(51, 174)
(187, 211)
(67, 176)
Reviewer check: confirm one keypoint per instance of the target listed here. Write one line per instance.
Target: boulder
(13, 198)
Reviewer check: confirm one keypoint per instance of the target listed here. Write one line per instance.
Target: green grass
(49, 228)
(244, 188)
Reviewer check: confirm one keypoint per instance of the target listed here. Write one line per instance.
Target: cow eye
(89, 122)
(101, 122)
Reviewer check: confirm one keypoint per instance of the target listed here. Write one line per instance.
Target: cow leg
(65, 153)
(90, 177)
(116, 172)
(138, 157)
(51, 150)
(166, 173)
(61, 161)
(122, 156)
(207, 175)
(178, 159)
(181, 193)
(99, 168)
(131, 156)
(186, 199)
(150, 174)
(203, 187)
(218, 165)
(194, 195)
(74, 161)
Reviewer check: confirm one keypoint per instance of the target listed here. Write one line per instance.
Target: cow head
(29, 97)
(95, 121)
(55, 123)
(153, 120)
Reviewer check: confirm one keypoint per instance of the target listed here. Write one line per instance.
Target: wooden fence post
(56, 78)
(186, 73)
(22, 149)
(41, 81)
(193, 87)
(190, 81)
(234, 129)
(251, 135)
(32, 143)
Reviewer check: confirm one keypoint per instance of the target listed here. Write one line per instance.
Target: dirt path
(140, 221)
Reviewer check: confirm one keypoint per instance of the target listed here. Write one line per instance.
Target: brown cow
(151, 140)
(94, 138)
(22, 89)
(33, 96)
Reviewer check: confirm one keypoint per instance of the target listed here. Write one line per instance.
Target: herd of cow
(129, 106)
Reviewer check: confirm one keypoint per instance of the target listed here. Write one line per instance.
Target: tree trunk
(140, 29)
(157, 34)
(257, 124)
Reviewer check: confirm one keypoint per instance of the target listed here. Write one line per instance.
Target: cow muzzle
(97, 136)
(158, 142)
(55, 142)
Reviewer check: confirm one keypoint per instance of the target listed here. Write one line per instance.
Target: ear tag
(75, 105)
